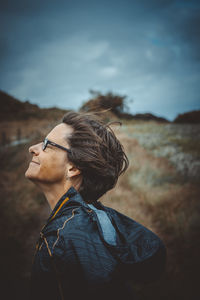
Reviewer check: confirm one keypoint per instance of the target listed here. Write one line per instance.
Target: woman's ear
(72, 171)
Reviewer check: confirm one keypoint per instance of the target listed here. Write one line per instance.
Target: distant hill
(188, 117)
(116, 105)
(144, 117)
(13, 109)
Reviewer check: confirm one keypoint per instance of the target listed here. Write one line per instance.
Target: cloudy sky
(53, 52)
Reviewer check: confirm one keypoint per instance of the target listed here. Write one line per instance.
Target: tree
(112, 102)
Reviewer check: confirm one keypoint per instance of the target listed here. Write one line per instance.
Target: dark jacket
(74, 260)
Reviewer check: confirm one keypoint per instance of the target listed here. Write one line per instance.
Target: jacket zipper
(51, 255)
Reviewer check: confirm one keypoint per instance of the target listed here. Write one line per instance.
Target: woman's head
(96, 152)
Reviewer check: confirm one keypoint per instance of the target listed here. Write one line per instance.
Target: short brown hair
(96, 152)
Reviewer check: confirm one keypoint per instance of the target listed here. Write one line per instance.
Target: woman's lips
(34, 162)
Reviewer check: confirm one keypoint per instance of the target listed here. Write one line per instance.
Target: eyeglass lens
(44, 145)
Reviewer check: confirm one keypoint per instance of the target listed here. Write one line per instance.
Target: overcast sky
(53, 52)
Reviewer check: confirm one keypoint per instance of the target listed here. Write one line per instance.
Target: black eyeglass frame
(46, 142)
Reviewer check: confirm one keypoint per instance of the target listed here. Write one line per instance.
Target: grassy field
(160, 190)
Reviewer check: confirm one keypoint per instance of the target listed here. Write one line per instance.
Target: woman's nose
(35, 149)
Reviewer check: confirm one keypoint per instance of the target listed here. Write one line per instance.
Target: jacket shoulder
(145, 258)
(75, 228)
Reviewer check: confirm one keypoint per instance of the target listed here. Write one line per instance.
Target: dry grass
(153, 192)
(156, 194)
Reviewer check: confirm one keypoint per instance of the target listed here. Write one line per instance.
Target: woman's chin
(30, 174)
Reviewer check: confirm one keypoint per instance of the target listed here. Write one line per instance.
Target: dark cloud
(21, 7)
(190, 32)
(182, 23)
(54, 51)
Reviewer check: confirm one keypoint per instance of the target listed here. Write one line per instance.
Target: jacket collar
(71, 198)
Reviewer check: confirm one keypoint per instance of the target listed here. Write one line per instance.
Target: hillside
(192, 117)
(156, 191)
(116, 106)
(160, 190)
(21, 121)
(13, 109)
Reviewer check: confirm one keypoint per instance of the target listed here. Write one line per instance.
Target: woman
(86, 249)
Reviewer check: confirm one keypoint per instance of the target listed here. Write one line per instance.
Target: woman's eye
(49, 146)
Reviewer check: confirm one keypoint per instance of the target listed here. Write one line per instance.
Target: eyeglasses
(46, 142)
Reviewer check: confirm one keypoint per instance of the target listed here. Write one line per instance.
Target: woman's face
(50, 165)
